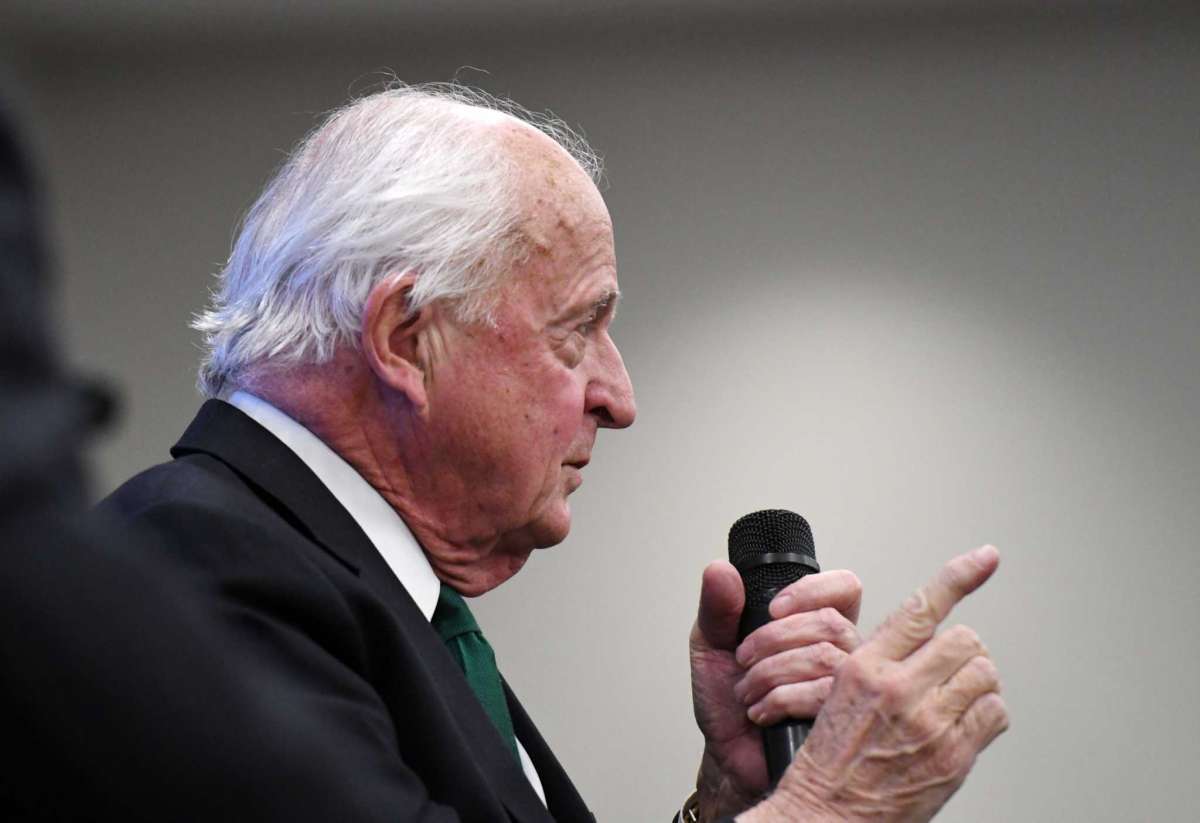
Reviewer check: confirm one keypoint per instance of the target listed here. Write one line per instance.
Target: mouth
(578, 464)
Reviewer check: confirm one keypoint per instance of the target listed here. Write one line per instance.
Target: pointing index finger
(909, 627)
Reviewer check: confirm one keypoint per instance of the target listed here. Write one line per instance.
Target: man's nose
(610, 392)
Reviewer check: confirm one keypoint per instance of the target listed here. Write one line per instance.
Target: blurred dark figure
(42, 416)
(118, 695)
(72, 605)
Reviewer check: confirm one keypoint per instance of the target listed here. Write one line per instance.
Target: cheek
(517, 422)
(553, 423)
(564, 410)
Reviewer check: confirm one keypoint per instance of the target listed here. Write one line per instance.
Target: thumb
(721, 601)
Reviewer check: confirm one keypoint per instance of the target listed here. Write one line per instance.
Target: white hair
(403, 180)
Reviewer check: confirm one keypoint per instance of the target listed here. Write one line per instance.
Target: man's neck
(380, 435)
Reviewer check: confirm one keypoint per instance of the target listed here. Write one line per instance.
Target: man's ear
(390, 336)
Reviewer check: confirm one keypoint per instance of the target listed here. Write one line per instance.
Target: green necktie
(455, 624)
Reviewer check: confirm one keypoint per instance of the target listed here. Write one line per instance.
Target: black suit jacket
(325, 695)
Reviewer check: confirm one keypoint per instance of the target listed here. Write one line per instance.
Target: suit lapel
(224, 432)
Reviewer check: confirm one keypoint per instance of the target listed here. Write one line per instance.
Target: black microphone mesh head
(766, 532)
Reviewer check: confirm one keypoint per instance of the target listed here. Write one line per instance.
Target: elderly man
(409, 359)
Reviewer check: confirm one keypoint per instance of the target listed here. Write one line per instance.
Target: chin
(491, 572)
(552, 527)
(510, 555)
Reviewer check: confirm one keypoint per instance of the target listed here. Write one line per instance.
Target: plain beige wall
(930, 282)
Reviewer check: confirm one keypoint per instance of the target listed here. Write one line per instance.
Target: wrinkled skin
(781, 670)
(907, 715)
(477, 433)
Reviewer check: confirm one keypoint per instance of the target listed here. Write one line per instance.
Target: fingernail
(782, 602)
(985, 552)
(742, 655)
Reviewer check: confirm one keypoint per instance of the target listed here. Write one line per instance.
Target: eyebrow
(606, 302)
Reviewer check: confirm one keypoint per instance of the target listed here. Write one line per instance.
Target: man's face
(514, 407)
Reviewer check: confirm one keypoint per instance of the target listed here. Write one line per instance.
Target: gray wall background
(926, 273)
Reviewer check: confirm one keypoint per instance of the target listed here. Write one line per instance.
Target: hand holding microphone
(773, 551)
(901, 720)
(781, 671)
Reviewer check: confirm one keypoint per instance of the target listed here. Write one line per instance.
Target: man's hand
(781, 670)
(906, 718)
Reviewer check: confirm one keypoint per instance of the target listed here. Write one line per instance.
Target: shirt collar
(374, 515)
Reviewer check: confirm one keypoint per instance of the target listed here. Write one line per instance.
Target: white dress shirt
(374, 515)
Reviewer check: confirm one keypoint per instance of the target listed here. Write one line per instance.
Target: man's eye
(587, 326)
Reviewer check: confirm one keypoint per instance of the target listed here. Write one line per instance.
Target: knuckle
(780, 672)
(892, 690)
(916, 619)
(996, 710)
(916, 606)
(955, 760)
(833, 622)
(964, 637)
(853, 672)
(828, 656)
(925, 728)
(793, 626)
(986, 669)
(913, 630)
(761, 677)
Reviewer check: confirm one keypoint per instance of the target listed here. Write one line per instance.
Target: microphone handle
(782, 740)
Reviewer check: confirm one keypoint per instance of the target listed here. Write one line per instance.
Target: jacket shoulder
(198, 480)
(209, 526)
(202, 492)
(206, 514)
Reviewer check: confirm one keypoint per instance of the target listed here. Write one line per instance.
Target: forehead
(552, 185)
(567, 269)
(567, 226)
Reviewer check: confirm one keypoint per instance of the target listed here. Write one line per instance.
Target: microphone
(772, 549)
